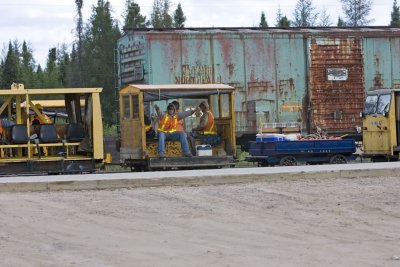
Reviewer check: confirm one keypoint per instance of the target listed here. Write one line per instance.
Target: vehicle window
(370, 104)
(127, 107)
(135, 106)
(383, 104)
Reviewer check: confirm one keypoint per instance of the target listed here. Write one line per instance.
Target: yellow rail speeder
(381, 125)
(74, 145)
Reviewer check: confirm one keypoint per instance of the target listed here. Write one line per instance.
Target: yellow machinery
(381, 125)
(138, 150)
(75, 145)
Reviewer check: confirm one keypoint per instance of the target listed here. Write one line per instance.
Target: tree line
(355, 14)
(90, 61)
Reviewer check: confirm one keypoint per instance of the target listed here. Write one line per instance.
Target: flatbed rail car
(138, 150)
(290, 153)
(74, 144)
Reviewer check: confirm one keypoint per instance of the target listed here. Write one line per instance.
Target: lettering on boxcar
(196, 74)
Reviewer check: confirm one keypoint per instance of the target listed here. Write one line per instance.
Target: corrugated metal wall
(313, 76)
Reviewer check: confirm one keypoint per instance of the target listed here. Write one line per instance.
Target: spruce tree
(281, 20)
(284, 22)
(133, 18)
(39, 78)
(160, 17)
(51, 72)
(1, 73)
(27, 66)
(263, 21)
(179, 17)
(63, 62)
(11, 67)
(340, 22)
(395, 21)
(72, 70)
(99, 45)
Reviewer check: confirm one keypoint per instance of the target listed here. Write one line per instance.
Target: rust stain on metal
(378, 82)
(335, 105)
(231, 69)
(286, 89)
(257, 89)
(267, 115)
(226, 48)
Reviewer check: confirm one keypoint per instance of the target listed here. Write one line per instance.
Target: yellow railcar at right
(381, 125)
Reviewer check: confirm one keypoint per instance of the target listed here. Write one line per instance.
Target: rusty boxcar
(314, 76)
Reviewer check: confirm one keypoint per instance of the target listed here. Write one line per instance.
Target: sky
(49, 23)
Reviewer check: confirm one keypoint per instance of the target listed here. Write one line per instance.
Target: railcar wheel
(288, 161)
(338, 159)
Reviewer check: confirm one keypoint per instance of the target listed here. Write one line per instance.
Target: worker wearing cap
(37, 119)
(167, 129)
(206, 130)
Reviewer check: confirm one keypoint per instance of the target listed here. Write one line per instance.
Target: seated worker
(167, 129)
(5, 123)
(37, 120)
(206, 129)
(180, 127)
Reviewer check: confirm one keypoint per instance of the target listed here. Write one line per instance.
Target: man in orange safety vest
(167, 129)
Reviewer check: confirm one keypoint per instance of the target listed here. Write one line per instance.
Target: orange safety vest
(47, 120)
(210, 127)
(168, 125)
(1, 127)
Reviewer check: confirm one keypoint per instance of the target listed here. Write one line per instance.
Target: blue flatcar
(290, 153)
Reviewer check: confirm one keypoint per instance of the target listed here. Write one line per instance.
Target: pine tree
(356, 12)
(304, 14)
(11, 66)
(281, 21)
(263, 21)
(72, 70)
(1, 73)
(51, 72)
(160, 17)
(179, 17)
(340, 22)
(133, 18)
(39, 78)
(395, 21)
(284, 22)
(63, 62)
(27, 66)
(99, 45)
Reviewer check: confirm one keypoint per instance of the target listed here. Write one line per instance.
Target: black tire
(288, 161)
(338, 159)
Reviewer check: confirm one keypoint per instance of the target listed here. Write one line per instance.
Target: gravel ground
(303, 222)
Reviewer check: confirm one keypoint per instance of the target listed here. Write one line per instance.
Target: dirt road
(305, 222)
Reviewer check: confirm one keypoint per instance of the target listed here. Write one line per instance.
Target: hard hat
(175, 103)
(205, 104)
(38, 106)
